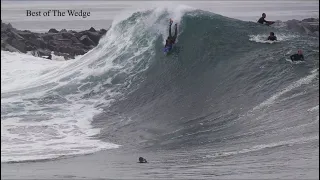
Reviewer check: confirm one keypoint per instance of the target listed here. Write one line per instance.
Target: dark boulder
(308, 26)
(5, 27)
(51, 47)
(103, 31)
(310, 20)
(47, 37)
(79, 45)
(7, 47)
(18, 44)
(14, 35)
(78, 35)
(66, 49)
(67, 35)
(86, 40)
(94, 36)
(92, 29)
(75, 40)
(43, 52)
(52, 30)
(64, 42)
(38, 42)
(57, 36)
(27, 35)
(79, 51)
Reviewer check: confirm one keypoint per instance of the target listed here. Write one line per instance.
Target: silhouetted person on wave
(262, 20)
(171, 39)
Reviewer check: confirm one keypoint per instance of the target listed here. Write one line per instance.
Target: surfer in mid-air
(262, 20)
(171, 39)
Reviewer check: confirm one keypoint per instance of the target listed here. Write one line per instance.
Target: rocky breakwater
(309, 26)
(62, 43)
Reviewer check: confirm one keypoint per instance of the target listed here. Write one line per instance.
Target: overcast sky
(163, 0)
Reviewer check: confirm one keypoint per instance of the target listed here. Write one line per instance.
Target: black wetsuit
(171, 39)
(297, 57)
(262, 20)
(142, 160)
(272, 38)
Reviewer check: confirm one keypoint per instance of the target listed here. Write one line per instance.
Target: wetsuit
(272, 38)
(171, 39)
(262, 20)
(142, 160)
(297, 57)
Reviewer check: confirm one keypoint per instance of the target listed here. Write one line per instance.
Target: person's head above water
(299, 51)
(264, 15)
(142, 160)
(271, 33)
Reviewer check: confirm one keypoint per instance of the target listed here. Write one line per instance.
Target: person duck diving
(171, 39)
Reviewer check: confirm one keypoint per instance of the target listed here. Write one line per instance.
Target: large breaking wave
(221, 87)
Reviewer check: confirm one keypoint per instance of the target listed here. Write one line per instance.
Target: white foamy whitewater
(262, 38)
(47, 106)
(35, 127)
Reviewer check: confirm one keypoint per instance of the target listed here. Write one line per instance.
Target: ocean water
(225, 103)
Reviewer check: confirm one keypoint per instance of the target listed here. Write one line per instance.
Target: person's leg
(170, 30)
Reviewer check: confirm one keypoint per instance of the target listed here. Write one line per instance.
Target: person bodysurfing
(171, 39)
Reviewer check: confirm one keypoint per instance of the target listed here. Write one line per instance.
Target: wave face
(221, 92)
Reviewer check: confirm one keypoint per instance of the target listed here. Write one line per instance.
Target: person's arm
(268, 38)
(175, 30)
(302, 57)
(170, 28)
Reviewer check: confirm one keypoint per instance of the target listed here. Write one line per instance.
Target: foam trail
(316, 108)
(306, 80)
(265, 146)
